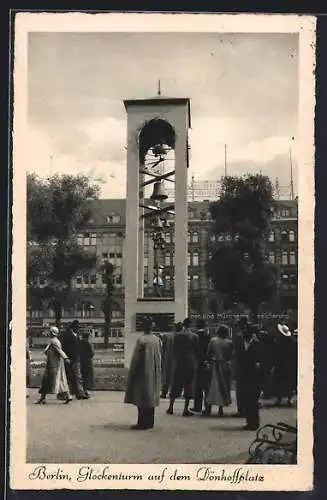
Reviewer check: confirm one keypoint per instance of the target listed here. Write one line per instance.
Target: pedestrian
(285, 365)
(28, 368)
(238, 346)
(168, 362)
(220, 352)
(71, 345)
(86, 360)
(185, 351)
(202, 378)
(248, 359)
(54, 380)
(144, 378)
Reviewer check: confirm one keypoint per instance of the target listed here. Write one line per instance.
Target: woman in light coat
(54, 380)
(220, 350)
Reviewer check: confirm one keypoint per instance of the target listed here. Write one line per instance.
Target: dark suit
(203, 371)
(249, 378)
(86, 359)
(70, 345)
(185, 352)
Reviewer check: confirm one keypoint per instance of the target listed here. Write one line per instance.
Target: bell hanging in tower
(158, 193)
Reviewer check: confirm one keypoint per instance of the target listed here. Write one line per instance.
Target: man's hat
(54, 330)
(284, 330)
(75, 324)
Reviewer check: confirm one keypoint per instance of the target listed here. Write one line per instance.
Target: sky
(243, 90)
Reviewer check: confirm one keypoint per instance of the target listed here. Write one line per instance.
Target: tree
(58, 208)
(108, 302)
(239, 268)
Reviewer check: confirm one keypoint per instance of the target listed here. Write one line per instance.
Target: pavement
(98, 431)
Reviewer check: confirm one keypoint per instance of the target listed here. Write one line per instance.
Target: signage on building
(164, 322)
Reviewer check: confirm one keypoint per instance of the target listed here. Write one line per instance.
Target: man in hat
(71, 346)
(185, 351)
(202, 378)
(144, 377)
(243, 325)
(248, 370)
(285, 365)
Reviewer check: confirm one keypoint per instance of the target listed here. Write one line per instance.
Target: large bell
(158, 192)
(158, 224)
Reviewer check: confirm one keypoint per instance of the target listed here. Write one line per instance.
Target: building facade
(105, 237)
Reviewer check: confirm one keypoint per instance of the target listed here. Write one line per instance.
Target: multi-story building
(105, 237)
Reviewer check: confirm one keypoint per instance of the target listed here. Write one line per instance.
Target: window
(191, 214)
(291, 236)
(195, 237)
(285, 212)
(167, 237)
(111, 255)
(80, 239)
(119, 279)
(195, 281)
(221, 237)
(195, 259)
(79, 280)
(116, 219)
(189, 237)
(271, 236)
(189, 282)
(105, 255)
(93, 279)
(188, 258)
(210, 255)
(292, 258)
(271, 257)
(167, 282)
(86, 239)
(145, 261)
(284, 236)
(284, 258)
(93, 239)
(228, 237)
(167, 259)
(119, 255)
(212, 237)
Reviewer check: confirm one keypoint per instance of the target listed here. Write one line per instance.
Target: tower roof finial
(159, 87)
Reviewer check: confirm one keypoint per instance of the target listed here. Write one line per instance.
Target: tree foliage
(239, 267)
(58, 208)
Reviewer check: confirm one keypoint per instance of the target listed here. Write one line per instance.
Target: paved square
(97, 431)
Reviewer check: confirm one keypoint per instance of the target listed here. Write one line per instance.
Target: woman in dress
(220, 350)
(54, 380)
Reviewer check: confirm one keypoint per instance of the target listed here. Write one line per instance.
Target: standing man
(248, 357)
(70, 345)
(202, 378)
(86, 360)
(243, 325)
(185, 349)
(144, 377)
(167, 365)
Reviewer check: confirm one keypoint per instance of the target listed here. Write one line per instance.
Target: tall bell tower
(155, 270)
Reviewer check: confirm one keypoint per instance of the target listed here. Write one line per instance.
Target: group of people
(200, 367)
(69, 365)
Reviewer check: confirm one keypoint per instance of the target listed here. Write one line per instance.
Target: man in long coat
(248, 358)
(144, 378)
(243, 325)
(168, 362)
(70, 344)
(185, 349)
(202, 378)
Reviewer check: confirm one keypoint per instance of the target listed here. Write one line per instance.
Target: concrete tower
(152, 125)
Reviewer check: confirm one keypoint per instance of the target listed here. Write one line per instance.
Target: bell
(158, 225)
(158, 192)
(160, 150)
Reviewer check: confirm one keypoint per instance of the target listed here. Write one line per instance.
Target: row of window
(285, 236)
(90, 279)
(287, 258)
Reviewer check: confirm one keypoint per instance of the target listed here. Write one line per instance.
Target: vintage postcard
(163, 260)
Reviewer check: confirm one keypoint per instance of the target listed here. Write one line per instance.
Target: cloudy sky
(243, 90)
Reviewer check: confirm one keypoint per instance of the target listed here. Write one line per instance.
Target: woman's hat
(54, 330)
(284, 330)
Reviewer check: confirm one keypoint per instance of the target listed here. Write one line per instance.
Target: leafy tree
(108, 302)
(239, 267)
(58, 208)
